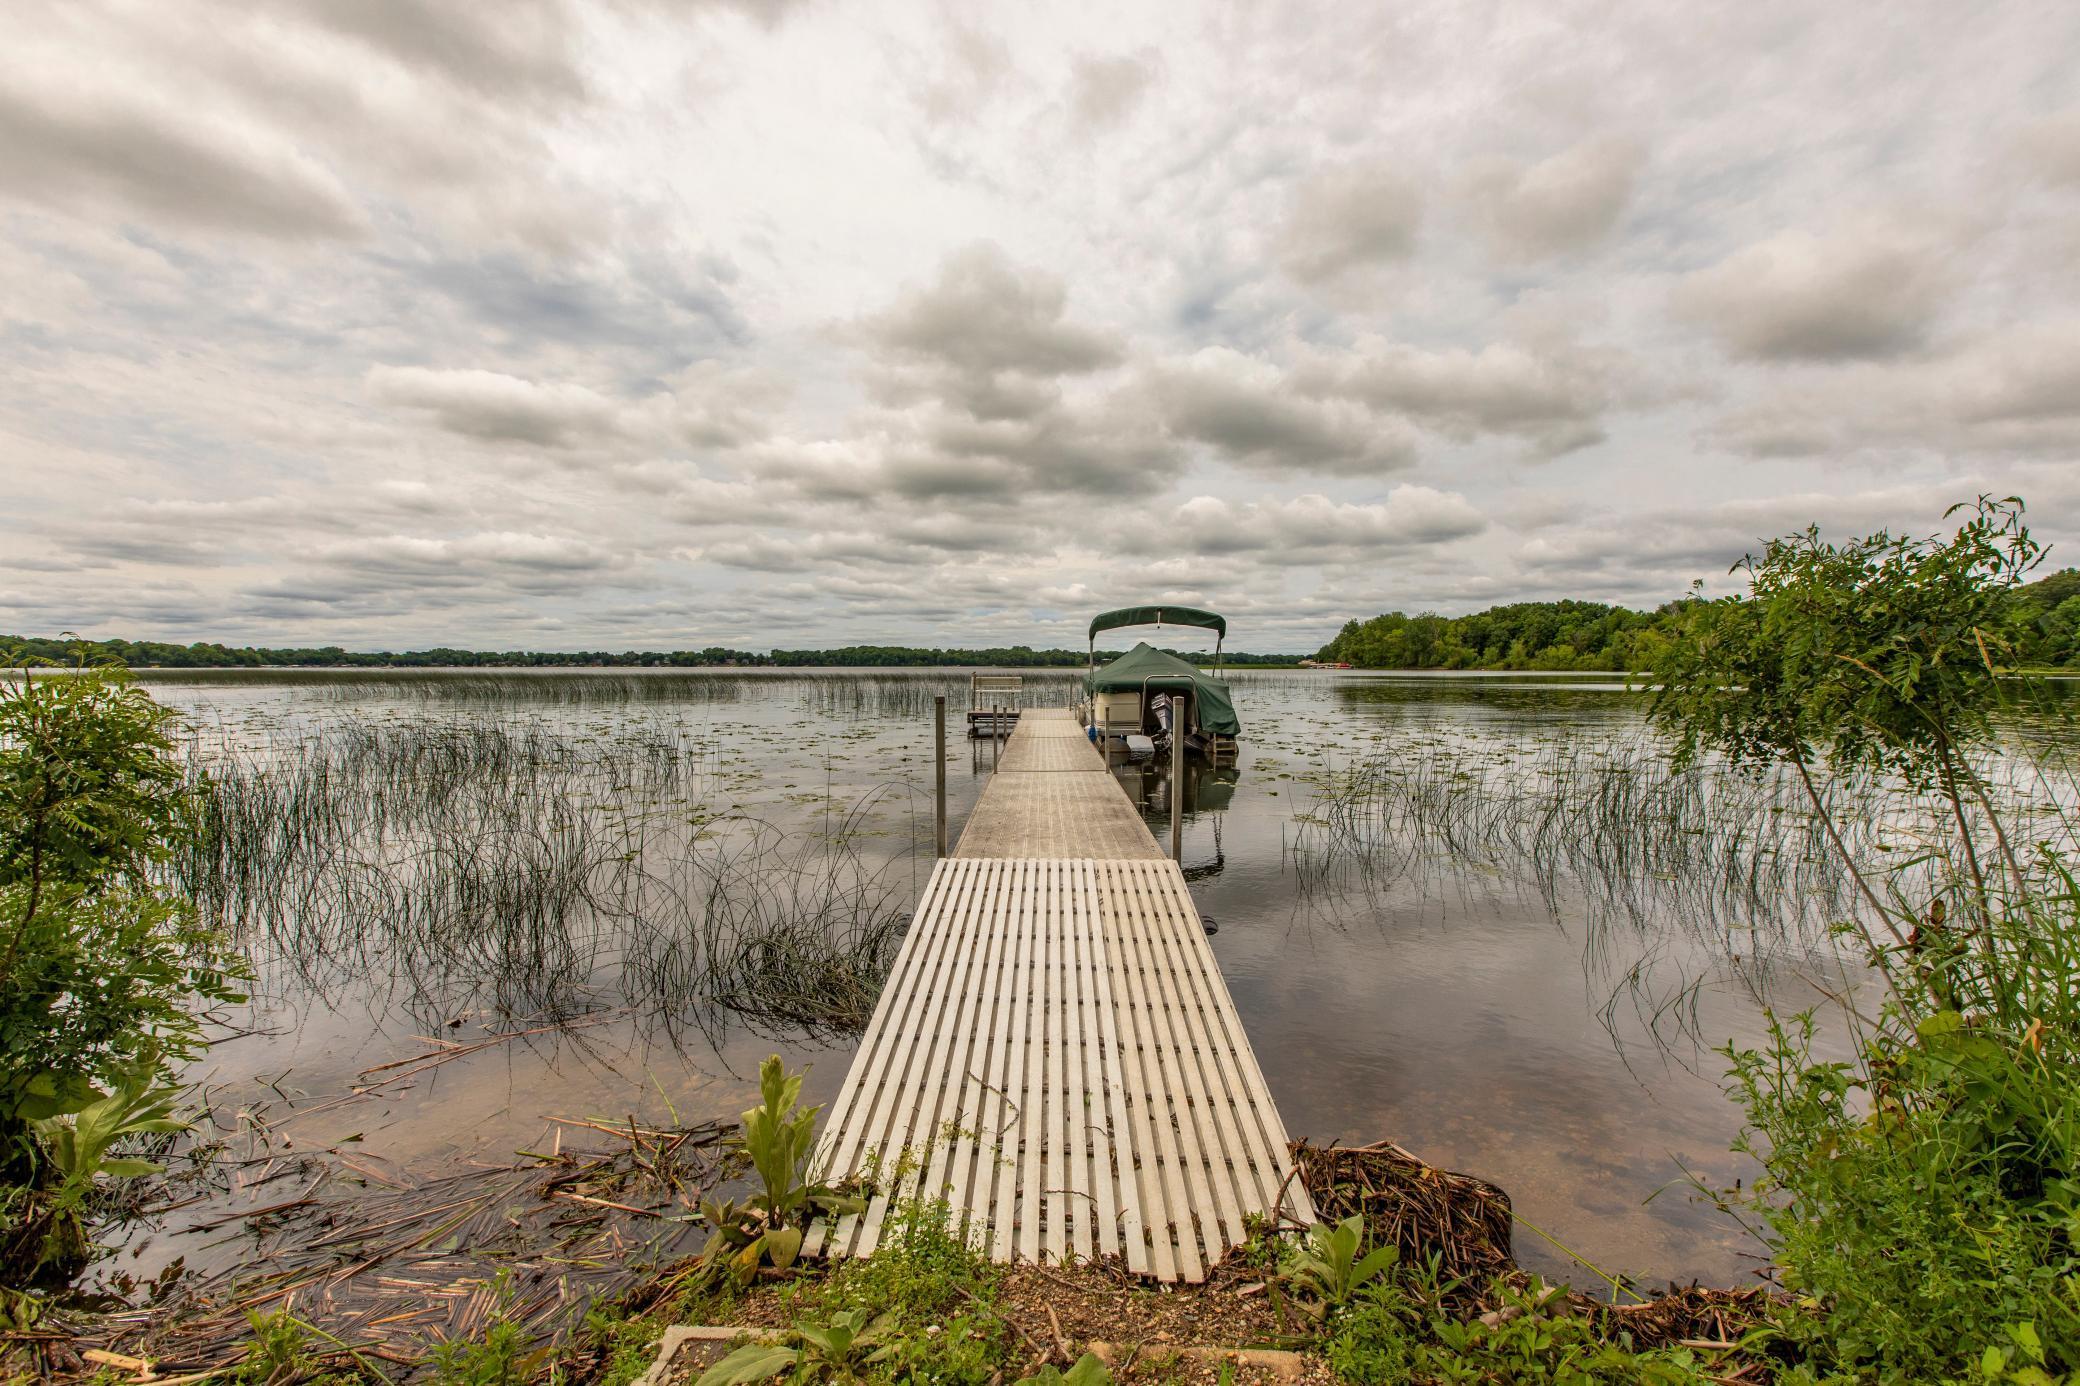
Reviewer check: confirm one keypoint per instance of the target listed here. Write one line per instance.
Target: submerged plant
(501, 1357)
(1535, 1334)
(279, 1350)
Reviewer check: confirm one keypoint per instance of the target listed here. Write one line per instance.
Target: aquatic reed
(1678, 876)
(531, 870)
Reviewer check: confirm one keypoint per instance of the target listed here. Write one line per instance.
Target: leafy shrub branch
(104, 971)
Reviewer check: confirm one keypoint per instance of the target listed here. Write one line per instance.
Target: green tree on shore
(1571, 635)
(1921, 1198)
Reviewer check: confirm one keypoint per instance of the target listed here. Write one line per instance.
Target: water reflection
(1209, 790)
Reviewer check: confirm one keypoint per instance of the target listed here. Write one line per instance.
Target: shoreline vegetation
(153, 654)
(1520, 637)
(1590, 637)
(1915, 1206)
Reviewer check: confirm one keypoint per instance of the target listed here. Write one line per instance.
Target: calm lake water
(1495, 1020)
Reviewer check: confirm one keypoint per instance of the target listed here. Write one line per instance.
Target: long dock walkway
(1055, 1053)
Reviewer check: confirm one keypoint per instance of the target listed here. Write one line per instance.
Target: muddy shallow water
(1497, 1021)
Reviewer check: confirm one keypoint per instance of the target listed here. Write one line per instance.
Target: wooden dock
(1055, 1053)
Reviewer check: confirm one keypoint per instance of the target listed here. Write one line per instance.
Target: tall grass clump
(1921, 1198)
(542, 873)
(1680, 873)
(1613, 823)
(778, 933)
(879, 694)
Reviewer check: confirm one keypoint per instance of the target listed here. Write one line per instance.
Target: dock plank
(1063, 815)
(1055, 1053)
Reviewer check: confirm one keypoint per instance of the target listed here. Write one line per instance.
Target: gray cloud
(990, 393)
(2052, 147)
(1104, 90)
(2011, 392)
(1349, 217)
(1658, 543)
(985, 315)
(707, 407)
(522, 47)
(415, 558)
(1869, 289)
(1563, 203)
(1311, 529)
(1553, 399)
(912, 546)
(174, 533)
(1109, 450)
(85, 144)
(498, 408)
(1247, 410)
(392, 576)
(666, 314)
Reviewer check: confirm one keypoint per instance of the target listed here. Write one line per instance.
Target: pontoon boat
(1146, 692)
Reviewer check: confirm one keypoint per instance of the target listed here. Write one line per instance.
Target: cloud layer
(616, 322)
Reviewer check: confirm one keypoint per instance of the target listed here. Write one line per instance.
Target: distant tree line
(141, 654)
(1014, 657)
(1570, 635)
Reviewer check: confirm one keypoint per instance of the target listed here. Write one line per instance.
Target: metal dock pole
(939, 786)
(1177, 785)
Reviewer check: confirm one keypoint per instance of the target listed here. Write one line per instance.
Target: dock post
(939, 786)
(1177, 787)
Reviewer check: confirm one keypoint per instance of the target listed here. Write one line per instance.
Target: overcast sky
(659, 323)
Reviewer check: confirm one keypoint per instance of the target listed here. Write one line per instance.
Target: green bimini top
(1132, 670)
(1157, 616)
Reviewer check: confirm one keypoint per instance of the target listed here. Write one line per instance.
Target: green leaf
(51, 1094)
(783, 1244)
(755, 1362)
(1939, 1025)
(1378, 1262)
(1088, 1371)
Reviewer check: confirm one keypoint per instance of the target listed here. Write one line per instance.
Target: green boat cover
(1158, 616)
(1131, 670)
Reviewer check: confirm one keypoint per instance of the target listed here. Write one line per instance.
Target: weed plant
(778, 1138)
(1383, 1337)
(941, 1291)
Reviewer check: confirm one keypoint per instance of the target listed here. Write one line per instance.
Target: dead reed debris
(397, 1272)
(1423, 1210)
